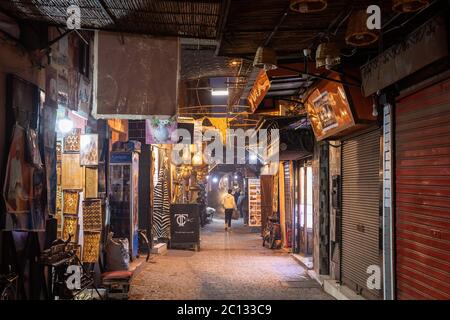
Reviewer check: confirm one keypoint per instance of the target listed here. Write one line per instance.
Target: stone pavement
(230, 265)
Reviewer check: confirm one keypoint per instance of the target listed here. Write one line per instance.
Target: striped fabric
(161, 208)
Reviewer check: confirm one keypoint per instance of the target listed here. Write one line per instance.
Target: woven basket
(327, 55)
(358, 34)
(409, 5)
(308, 6)
(265, 58)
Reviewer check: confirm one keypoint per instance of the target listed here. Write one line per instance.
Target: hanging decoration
(72, 141)
(92, 215)
(89, 149)
(407, 6)
(327, 55)
(91, 246)
(308, 6)
(358, 34)
(91, 182)
(265, 58)
(161, 205)
(160, 129)
(71, 173)
(70, 204)
(70, 227)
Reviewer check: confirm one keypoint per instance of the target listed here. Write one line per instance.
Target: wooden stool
(117, 284)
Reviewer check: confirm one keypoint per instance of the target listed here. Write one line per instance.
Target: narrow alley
(230, 265)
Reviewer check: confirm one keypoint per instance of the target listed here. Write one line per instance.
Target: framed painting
(70, 202)
(70, 228)
(72, 141)
(91, 183)
(89, 149)
(71, 172)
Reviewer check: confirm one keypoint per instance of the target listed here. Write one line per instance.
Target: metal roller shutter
(361, 210)
(422, 138)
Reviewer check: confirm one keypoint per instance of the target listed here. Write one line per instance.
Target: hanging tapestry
(91, 247)
(72, 172)
(92, 215)
(72, 141)
(70, 227)
(161, 207)
(70, 204)
(89, 150)
(91, 182)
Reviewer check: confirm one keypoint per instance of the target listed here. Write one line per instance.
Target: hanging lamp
(406, 6)
(358, 34)
(327, 55)
(265, 58)
(308, 6)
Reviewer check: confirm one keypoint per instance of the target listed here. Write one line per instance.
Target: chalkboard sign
(185, 224)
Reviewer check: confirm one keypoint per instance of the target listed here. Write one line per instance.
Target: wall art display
(84, 96)
(70, 202)
(91, 246)
(89, 149)
(70, 227)
(18, 186)
(160, 130)
(63, 86)
(59, 198)
(92, 215)
(254, 202)
(72, 172)
(58, 151)
(91, 183)
(72, 141)
(58, 173)
(51, 87)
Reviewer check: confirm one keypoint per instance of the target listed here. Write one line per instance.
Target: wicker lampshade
(409, 5)
(265, 58)
(358, 34)
(327, 55)
(308, 6)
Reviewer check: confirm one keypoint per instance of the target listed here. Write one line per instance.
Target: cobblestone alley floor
(229, 266)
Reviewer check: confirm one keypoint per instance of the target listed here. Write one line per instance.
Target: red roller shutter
(422, 137)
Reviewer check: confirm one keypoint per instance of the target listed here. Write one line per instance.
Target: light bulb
(65, 125)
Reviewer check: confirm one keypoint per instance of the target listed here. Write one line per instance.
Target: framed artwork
(89, 149)
(91, 246)
(72, 141)
(91, 183)
(92, 215)
(71, 172)
(70, 227)
(70, 203)
(160, 130)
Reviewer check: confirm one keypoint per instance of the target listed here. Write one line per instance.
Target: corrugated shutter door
(422, 139)
(360, 210)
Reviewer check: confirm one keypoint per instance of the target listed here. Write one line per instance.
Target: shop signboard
(259, 90)
(185, 224)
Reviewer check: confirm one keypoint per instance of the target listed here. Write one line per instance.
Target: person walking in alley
(229, 204)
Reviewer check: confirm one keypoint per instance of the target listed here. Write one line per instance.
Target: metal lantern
(308, 6)
(327, 55)
(358, 34)
(265, 58)
(409, 5)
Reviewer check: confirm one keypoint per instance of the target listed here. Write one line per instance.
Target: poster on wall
(160, 130)
(89, 149)
(254, 202)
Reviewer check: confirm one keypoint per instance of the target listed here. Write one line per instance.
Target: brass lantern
(308, 6)
(358, 34)
(406, 6)
(265, 58)
(327, 55)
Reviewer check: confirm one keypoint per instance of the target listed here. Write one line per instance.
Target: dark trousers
(228, 216)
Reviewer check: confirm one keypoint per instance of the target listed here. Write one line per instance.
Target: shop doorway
(303, 208)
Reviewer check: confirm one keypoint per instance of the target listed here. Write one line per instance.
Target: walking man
(230, 205)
